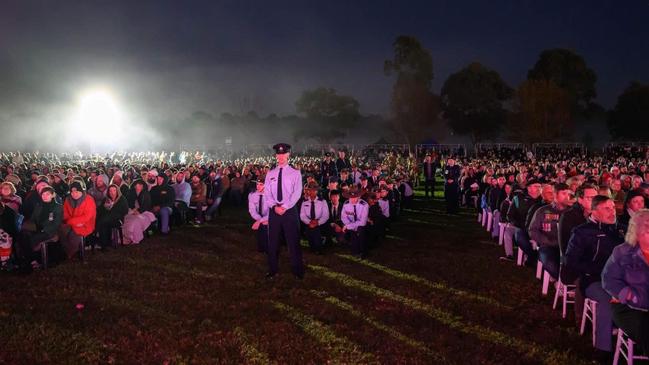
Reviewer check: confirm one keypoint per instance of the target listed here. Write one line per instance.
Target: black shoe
(603, 357)
(270, 276)
(507, 258)
(299, 276)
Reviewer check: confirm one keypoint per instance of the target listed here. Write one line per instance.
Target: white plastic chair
(501, 233)
(625, 347)
(590, 313)
(565, 292)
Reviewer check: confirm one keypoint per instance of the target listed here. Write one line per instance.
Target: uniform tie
(261, 202)
(280, 196)
(355, 217)
(313, 209)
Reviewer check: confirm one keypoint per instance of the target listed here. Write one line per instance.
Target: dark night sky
(166, 59)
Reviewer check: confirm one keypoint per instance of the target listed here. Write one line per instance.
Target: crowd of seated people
(79, 202)
(583, 222)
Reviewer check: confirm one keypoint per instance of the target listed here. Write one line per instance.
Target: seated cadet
(314, 213)
(258, 210)
(354, 218)
(375, 221)
(383, 202)
(333, 228)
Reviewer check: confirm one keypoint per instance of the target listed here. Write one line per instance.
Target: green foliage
(414, 106)
(541, 113)
(569, 71)
(472, 102)
(331, 114)
(629, 118)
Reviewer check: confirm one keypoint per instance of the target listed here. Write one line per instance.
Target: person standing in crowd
(259, 210)
(314, 214)
(589, 248)
(429, 169)
(213, 194)
(342, 163)
(452, 186)
(283, 189)
(354, 219)
(327, 169)
(626, 278)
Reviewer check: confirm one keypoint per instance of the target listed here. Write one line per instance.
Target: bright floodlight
(98, 118)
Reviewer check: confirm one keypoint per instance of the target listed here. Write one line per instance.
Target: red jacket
(81, 218)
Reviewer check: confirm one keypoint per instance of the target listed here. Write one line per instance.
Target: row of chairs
(566, 292)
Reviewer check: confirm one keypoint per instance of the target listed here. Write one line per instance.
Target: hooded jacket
(163, 195)
(80, 215)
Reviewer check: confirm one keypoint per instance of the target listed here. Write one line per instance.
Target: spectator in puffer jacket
(79, 215)
(590, 246)
(626, 279)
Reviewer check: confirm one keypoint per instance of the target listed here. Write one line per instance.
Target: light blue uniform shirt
(253, 206)
(352, 222)
(291, 187)
(321, 211)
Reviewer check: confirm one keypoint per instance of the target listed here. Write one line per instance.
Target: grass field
(434, 292)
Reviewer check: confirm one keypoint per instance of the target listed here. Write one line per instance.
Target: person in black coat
(589, 248)
(335, 204)
(162, 200)
(428, 168)
(452, 186)
(111, 214)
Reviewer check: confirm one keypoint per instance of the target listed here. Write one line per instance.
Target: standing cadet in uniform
(327, 169)
(283, 189)
(452, 186)
(354, 218)
(314, 213)
(258, 210)
(429, 168)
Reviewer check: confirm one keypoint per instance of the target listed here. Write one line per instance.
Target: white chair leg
(484, 217)
(539, 269)
(501, 234)
(557, 293)
(479, 217)
(593, 317)
(490, 217)
(584, 313)
(519, 260)
(618, 348)
(546, 283)
(565, 301)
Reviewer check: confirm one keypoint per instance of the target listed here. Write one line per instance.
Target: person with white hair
(626, 278)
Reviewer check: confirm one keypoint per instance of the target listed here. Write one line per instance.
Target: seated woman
(111, 214)
(41, 226)
(79, 214)
(635, 201)
(9, 198)
(139, 216)
(626, 279)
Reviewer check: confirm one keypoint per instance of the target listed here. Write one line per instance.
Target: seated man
(183, 194)
(258, 210)
(543, 228)
(314, 213)
(162, 200)
(375, 221)
(198, 198)
(589, 247)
